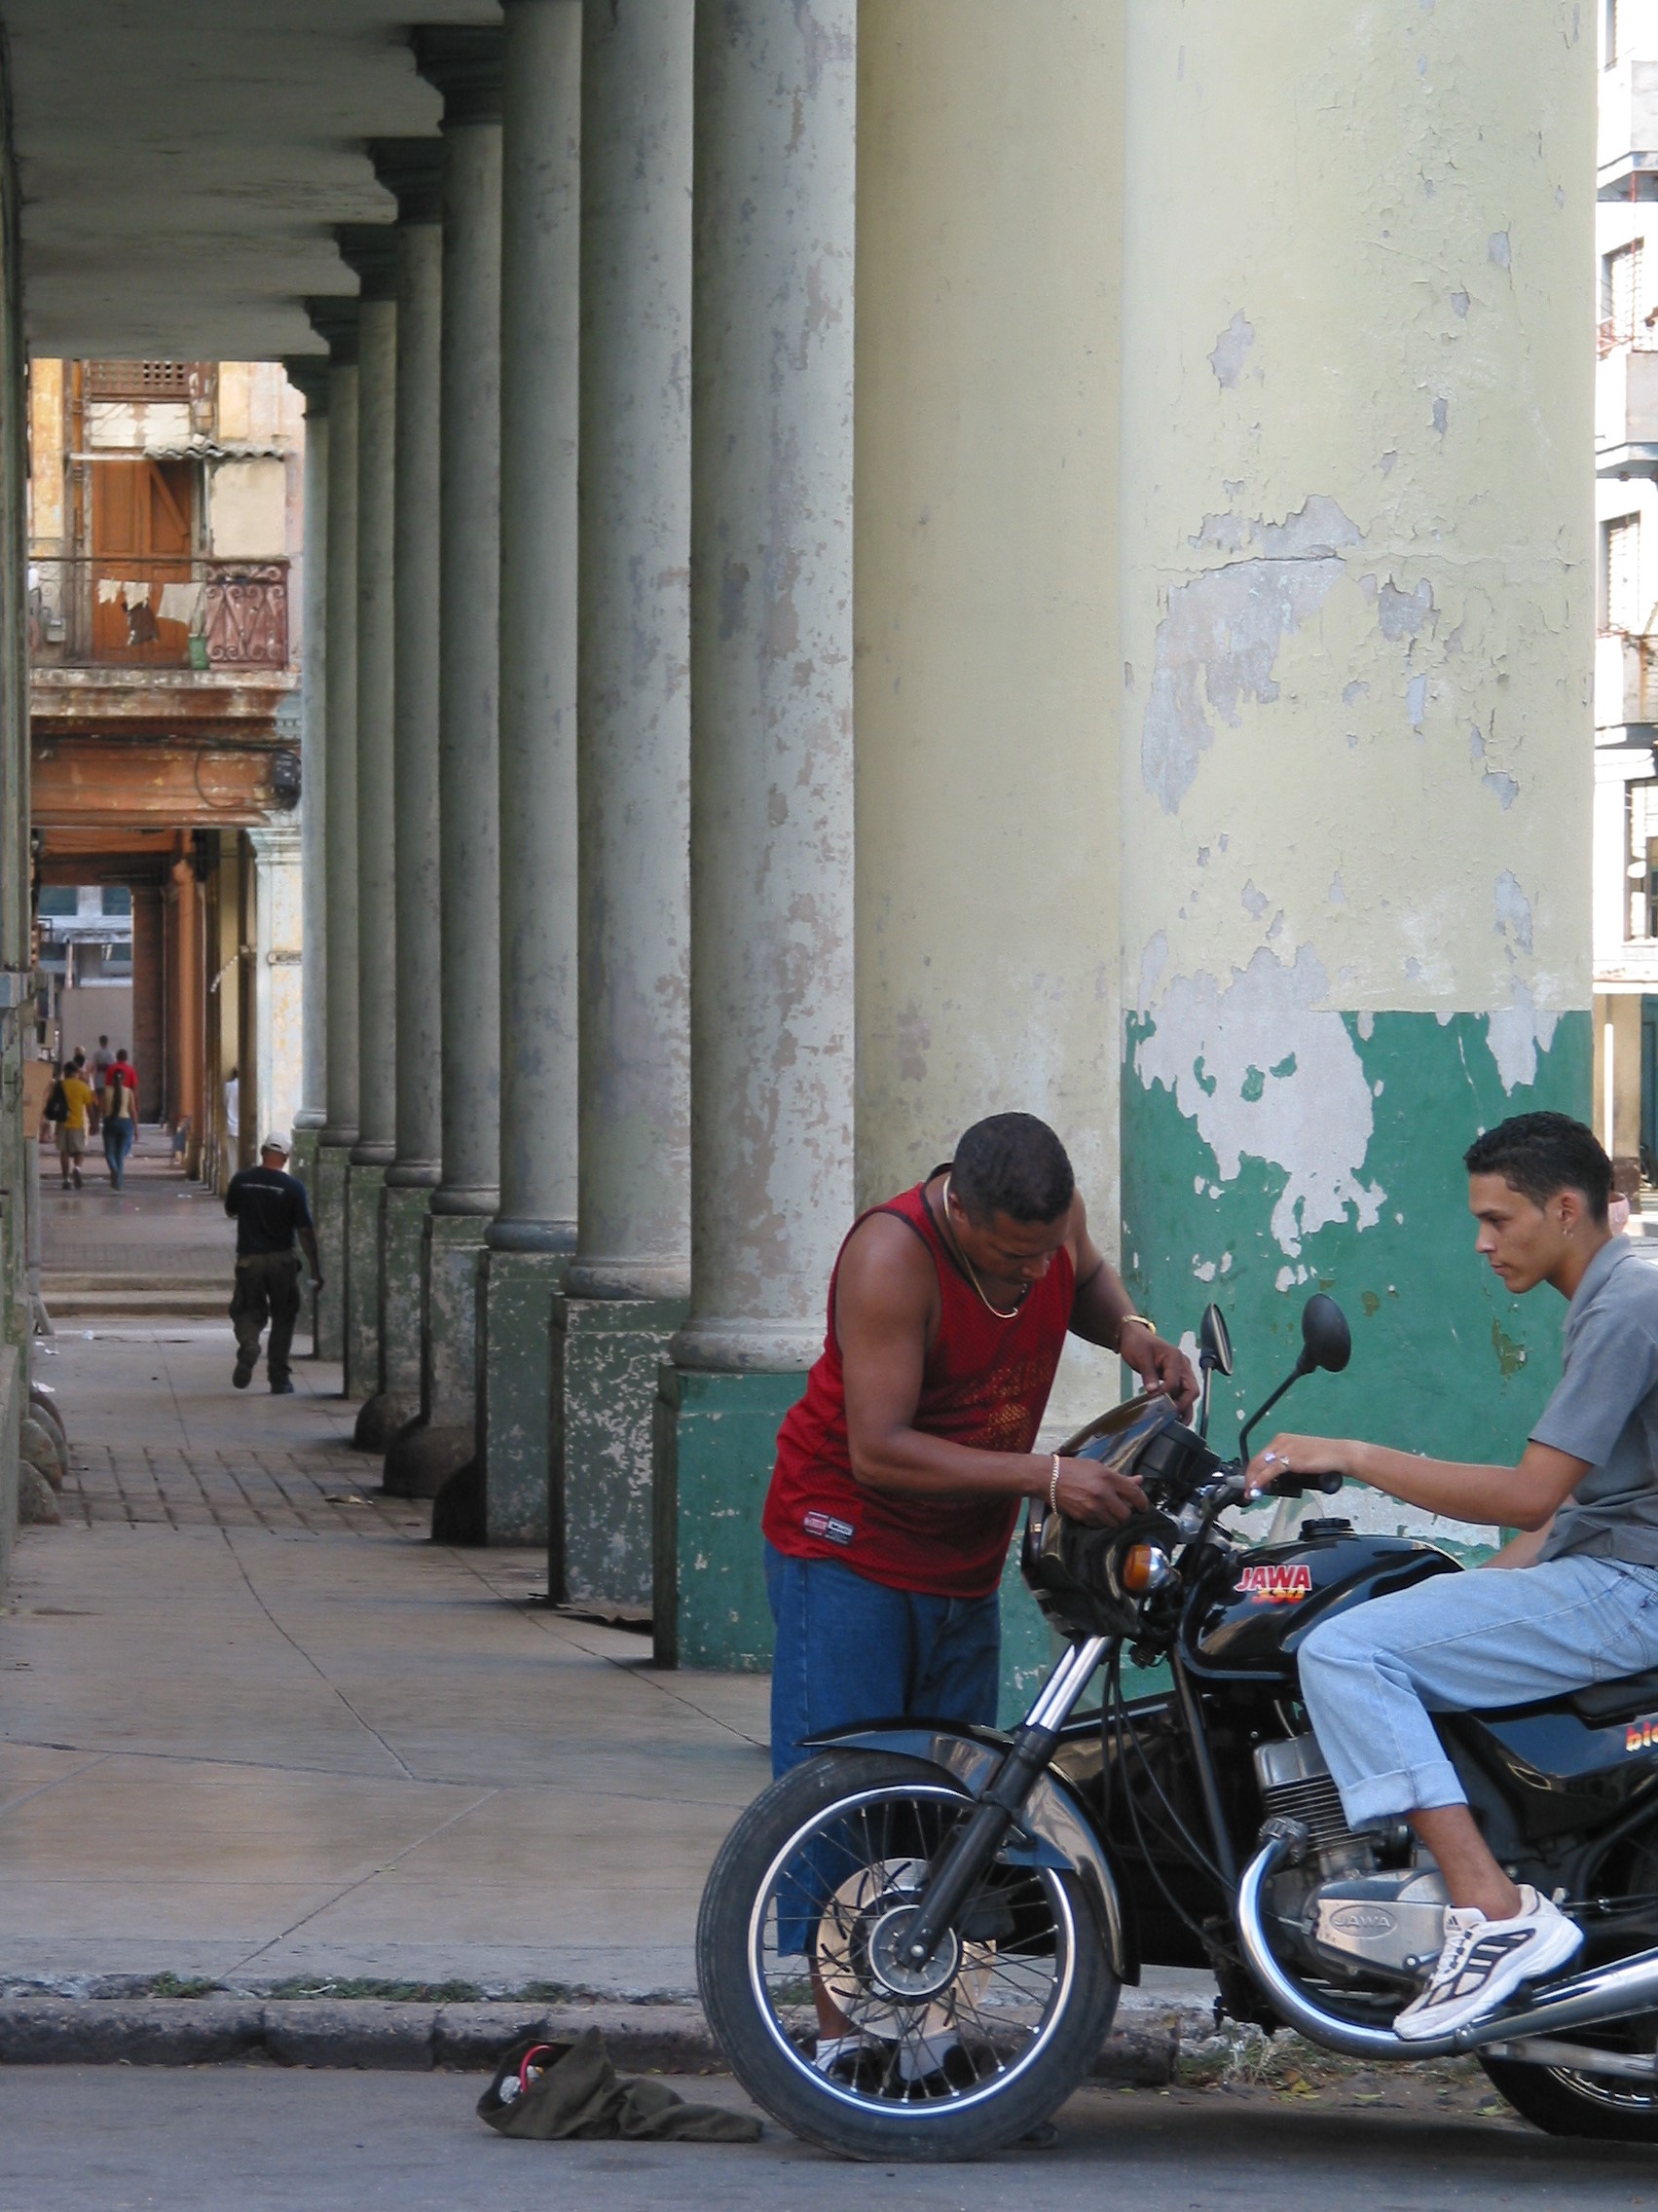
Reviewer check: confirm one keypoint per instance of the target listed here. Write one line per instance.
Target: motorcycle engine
(1343, 1912)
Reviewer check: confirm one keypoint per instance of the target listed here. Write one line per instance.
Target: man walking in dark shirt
(270, 1211)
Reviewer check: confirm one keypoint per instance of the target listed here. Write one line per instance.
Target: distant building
(164, 519)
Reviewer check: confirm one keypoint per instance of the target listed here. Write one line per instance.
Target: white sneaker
(1484, 1962)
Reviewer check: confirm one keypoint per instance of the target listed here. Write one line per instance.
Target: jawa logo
(1642, 1735)
(1278, 1585)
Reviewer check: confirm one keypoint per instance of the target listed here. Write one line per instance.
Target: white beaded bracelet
(1054, 1486)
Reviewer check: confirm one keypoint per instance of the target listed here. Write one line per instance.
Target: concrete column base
(714, 1445)
(445, 1437)
(606, 1354)
(303, 1165)
(363, 1186)
(516, 1291)
(328, 1203)
(403, 1215)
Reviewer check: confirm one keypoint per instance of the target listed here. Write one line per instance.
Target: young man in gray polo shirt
(1586, 1609)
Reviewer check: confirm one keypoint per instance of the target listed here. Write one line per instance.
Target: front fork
(966, 1858)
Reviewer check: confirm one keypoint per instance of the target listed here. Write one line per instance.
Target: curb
(388, 2036)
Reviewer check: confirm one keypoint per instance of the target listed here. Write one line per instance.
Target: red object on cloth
(986, 1383)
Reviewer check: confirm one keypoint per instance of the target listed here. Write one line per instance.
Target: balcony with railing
(163, 612)
(1626, 406)
(1628, 135)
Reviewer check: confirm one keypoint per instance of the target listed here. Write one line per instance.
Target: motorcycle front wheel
(800, 1935)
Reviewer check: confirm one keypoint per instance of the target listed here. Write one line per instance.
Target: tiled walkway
(255, 1727)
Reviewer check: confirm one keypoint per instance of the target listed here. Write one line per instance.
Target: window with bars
(1641, 870)
(1622, 297)
(148, 380)
(1620, 569)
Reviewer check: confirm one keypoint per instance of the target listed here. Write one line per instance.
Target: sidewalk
(256, 1728)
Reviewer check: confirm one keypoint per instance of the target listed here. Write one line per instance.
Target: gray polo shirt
(1605, 1411)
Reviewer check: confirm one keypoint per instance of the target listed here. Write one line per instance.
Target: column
(771, 793)
(466, 67)
(412, 169)
(534, 1233)
(370, 251)
(626, 1289)
(310, 374)
(335, 319)
(279, 874)
(987, 676)
(1357, 624)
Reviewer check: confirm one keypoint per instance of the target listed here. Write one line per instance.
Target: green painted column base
(716, 1443)
(606, 1355)
(363, 1186)
(445, 1438)
(303, 1166)
(515, 1322)
(397, 1399)
(328, 1202)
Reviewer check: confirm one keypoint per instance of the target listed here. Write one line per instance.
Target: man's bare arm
(1527, 1497)
(886, 1307)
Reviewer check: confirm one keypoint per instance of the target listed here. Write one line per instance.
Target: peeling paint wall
(1357, 623)
(986, 647)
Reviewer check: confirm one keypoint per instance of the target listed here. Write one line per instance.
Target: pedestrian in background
(120, 1117)
(79, 1105)
(270, 1212)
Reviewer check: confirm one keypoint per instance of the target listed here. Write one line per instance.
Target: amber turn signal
(1145, 1567)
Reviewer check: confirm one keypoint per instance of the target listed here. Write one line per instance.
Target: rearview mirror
(1214, 1341)
(1326, 1341)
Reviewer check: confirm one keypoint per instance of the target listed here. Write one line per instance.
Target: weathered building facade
(872, 562)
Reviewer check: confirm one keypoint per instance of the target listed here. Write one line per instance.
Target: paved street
(265, 2140)
(255, 1727)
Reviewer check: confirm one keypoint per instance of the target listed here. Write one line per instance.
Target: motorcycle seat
(1621, 1700)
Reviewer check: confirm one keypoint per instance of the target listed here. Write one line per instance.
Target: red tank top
(986, 1383)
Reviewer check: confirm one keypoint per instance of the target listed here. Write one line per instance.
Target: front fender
(1054, 1822)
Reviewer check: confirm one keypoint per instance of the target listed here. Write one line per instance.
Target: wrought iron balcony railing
(165, 610)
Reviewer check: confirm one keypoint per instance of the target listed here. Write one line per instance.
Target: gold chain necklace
(972, 1271)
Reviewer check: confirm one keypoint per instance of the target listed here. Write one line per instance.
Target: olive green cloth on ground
(581, 2096)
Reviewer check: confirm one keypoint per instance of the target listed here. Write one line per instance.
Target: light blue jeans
(1504, 1636)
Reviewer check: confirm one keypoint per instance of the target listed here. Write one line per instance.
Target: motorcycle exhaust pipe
(1604, 1993)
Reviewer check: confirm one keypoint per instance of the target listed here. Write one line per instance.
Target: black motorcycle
(968, 1903)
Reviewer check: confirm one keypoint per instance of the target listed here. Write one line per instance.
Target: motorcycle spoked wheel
(1571, 2101)
(814, 1885)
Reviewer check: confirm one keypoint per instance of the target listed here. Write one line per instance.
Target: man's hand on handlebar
(1098, 1497)
(1296, 1459)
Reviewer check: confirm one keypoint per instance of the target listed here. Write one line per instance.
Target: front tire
(810, 1891)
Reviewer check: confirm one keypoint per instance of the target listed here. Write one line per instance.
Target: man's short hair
(1539, 1155)
(1013, 1164)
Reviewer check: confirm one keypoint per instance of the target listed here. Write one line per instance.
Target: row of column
(623, 1019)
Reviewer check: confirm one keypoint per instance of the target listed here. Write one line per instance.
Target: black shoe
(283, 1389)
(243, 1375)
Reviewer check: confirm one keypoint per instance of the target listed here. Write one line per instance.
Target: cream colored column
(1357, 624)
(771, 786)
(987, 670)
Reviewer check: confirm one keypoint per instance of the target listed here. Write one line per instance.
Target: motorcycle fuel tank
(1252, 1610)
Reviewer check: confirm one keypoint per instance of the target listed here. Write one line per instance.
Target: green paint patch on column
(329, 1206)
(716, 1443)
(515, 1319)
(1251, 1201)
(363, 1186)
(403, 1214)
(606, 1355)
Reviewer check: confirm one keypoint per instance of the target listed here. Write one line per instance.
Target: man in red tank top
(903, 1467)
(901, 1473)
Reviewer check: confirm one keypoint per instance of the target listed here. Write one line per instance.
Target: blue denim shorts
(849, 1649)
